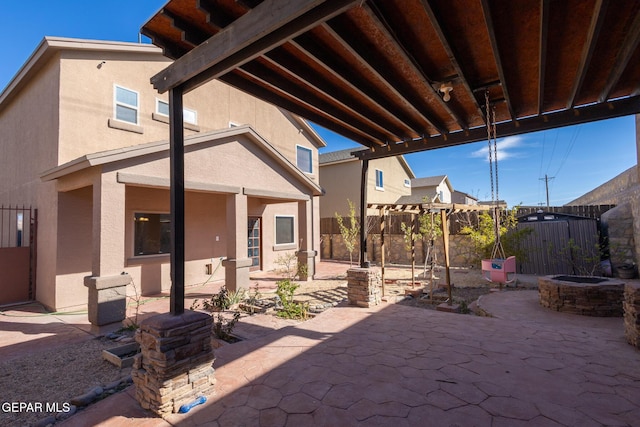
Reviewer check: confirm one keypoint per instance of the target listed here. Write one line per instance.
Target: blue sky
(579, 158)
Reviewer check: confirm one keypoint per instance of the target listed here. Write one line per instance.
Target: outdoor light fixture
(446, 89)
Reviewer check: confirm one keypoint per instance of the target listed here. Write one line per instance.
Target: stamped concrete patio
(394, 365)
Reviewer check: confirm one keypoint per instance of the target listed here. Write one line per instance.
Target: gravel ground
(54, 376)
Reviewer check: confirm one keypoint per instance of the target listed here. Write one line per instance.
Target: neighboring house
(428, 190)
(463, 198)
(84, 140)
(340, 175)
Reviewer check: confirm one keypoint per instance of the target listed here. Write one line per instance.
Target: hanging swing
(498, 268)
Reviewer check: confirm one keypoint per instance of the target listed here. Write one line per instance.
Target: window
(284, 230)
(152, 234)
(189, 116)
(407, 183)
(379, 180)
(304, 159)
(126, 105)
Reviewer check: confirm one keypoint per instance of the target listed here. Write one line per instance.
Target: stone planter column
(107, 298)
(174, 366)
(632, 313)
(363, 286)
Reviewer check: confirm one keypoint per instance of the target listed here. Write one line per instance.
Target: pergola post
(364, 262)
(445, 242)
(176, 159)
(382, 227)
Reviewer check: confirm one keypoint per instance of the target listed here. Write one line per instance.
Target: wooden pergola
(401, 76)
(443, 209)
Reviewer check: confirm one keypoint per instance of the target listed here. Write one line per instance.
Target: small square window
(379, 180)
(126, 105)
(284, 230)
(304, 159)
(407, 183)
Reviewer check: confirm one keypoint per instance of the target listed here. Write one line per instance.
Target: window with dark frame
(152, 234)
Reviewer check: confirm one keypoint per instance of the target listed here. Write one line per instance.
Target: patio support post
(107, 285)
(237, 264)
(176, 159)
(382, 226)
(445, 245)
(364, 262)
(306, 254)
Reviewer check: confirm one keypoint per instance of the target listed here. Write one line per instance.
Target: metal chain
(489, 129)
(495, 150)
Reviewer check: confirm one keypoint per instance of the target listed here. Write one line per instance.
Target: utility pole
(546, 184)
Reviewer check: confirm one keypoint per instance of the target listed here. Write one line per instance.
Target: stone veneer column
(632, 313)
(175, 363)
(363, 286)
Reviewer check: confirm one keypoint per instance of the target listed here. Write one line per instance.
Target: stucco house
(463, 198)
(388, 179)
(84, 140)
(429, 189)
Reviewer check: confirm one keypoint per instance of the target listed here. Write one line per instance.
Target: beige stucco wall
(59, 111)
(205, 214)
(29, 126)
(341, 181)
(87, 103)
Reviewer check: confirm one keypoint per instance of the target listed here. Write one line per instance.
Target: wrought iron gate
(18, 248)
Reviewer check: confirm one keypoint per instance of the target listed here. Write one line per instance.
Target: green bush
(290, 308)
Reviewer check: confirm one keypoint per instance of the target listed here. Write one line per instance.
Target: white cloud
(507, 148)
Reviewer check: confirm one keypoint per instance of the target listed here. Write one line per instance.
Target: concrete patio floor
(391, 365)
(394, 365)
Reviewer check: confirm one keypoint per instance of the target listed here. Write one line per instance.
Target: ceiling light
(446, 89)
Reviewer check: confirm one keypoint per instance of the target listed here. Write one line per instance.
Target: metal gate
(18, 235)
(560, 247)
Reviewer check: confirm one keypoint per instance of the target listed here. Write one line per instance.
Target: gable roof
(49, 46)
(342, 156)
(112, 156)
(431, 181)
(338, 156)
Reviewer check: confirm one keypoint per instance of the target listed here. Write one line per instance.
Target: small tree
(349, 234)
(483, 235)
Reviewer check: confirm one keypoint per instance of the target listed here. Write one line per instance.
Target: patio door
(254, 253)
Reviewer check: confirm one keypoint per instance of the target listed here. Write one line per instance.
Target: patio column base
(307, 258)
(107, 298)
(363, 286)
(175, 365)
(236, 273)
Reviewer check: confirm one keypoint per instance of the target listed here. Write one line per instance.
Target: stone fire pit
(584, 295)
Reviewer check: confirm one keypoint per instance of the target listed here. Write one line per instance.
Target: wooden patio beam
(542, 51)
(282, 101)
(486, 9)
(597, 19)
(608, 110)
(364, 58)
(383, 26)
(270, 24)
(453, 56)
(338, 70)
(631, 42)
